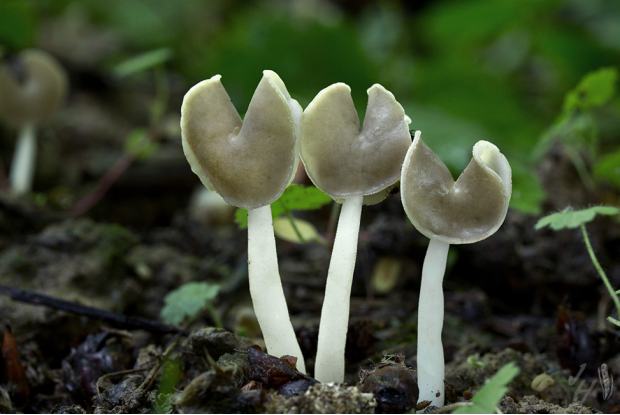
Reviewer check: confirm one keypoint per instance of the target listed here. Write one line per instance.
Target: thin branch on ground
(118, 320)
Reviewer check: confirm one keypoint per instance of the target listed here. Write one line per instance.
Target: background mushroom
(32, 86)
(249, 164)
(349, 164)
(448, 212)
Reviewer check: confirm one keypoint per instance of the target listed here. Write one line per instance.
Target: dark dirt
(524, 296)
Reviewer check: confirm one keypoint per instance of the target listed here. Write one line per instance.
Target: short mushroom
(250, 163)
(32, 86)
(448, 212)
(352, 167)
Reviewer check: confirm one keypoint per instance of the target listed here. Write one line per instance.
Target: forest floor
(524, 296)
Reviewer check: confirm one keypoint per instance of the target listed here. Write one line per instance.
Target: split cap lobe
(250, 162)
(461, 212)
(343, 161)
(33, 89)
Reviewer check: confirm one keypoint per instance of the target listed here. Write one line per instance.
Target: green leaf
(608, 168)
(139, 144)
(169, 380)
(187, 301)
(283, 228)
(487, 398)
(569, 218)
(142, 62)
(594, 90)
(241, 218)
(474, 360)
(295, 197)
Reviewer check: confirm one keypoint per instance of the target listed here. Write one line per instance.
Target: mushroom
(32, 86)
(249, 163)
(448, 212)
(353, 167)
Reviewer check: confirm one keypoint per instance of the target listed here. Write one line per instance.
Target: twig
(118, 320)
(112, 175)
(148, 380)
(151, 376)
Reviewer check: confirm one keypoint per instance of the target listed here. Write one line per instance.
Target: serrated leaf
(608, 168)
(294, 197)
(487, 398)
(594, 89)
(569, 218)
(187, 300)
(283, 228)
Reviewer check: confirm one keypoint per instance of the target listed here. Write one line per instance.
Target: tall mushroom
(352, 167)
(250, 163)
(448, 212)
(32, 86)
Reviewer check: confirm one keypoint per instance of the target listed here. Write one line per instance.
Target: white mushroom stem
(430, 323)
(266, 288)
(329, 366)
(22, 168)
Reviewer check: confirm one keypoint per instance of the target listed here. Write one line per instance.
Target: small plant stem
(291, 219)
(151, 376)
(159, 105)
(334, 321)
(430, 323)
(593, 136)
(613, 321)
(22, 168)
(111, 176)
(216, 318)
(266, 288)
(598, 267)
(582, 169)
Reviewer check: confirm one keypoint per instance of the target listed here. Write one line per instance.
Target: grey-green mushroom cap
(343, 161)
(466, 211)
(34, 90)
(250, 162)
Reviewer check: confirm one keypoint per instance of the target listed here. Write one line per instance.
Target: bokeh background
(464, 70)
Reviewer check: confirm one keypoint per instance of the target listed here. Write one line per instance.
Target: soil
(524, 296)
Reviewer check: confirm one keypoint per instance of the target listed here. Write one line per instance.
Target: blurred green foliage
(18, 22)
(464, 70)
(569, 218)
(294, 197)
(139, 145)
(594, 90)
